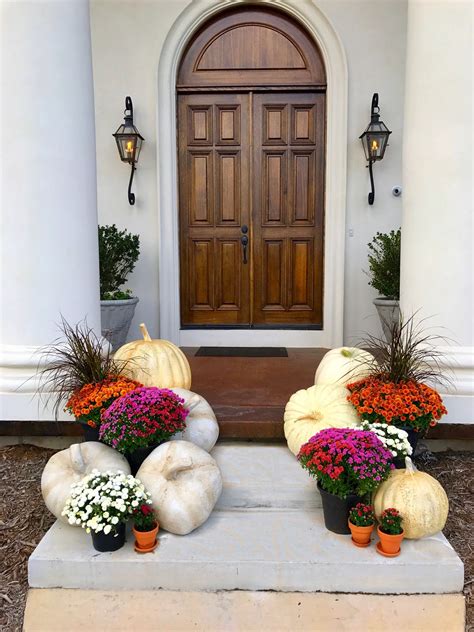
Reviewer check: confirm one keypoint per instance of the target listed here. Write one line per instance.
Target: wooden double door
(251, 185)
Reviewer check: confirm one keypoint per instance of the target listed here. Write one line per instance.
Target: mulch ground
(24, 519)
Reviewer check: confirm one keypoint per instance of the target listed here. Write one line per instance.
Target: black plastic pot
(112, 541)
(336, 511)
(413, 438)
(136, 458)
(399, 463)
(90, 434)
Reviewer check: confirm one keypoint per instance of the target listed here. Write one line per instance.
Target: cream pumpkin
(313, 409)
(420, 499)
(202, 428)
(344, 365)
(155, 362)
(69, 466)
(184, 482)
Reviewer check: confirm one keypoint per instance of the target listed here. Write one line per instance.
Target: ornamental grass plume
(78, 357)
(145, 416)
(346, 461)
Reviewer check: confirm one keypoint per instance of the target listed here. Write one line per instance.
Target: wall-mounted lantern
(129, 142)
(374, 141)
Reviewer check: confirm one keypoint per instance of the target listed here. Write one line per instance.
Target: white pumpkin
(316, 408)
(69, 466)
(202, 428)
(420, 499)
(344, 365)
(184, 482)
(155, 362)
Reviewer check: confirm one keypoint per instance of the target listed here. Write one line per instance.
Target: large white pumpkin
(184, 482)
(155, 362)
(420, 499)
(202, 428)
(344, 365)
(313, 409)
(71, 465)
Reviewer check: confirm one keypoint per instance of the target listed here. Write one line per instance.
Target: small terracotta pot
(390, 544)
(360, 535)
(146, 540)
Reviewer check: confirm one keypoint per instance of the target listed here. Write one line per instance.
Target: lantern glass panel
(129, 143)
(375, 140)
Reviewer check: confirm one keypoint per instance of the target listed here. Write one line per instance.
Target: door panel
(213, 139)
(288, 209)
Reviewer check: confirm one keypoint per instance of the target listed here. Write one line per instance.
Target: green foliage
(384, 263)
(118, 254)
(119, 295)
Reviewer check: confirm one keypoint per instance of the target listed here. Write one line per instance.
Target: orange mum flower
(407, 403)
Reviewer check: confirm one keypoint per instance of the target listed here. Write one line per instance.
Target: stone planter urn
(116, 317)
(389, 313)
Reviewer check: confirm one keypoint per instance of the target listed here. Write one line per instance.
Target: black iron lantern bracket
(129, 142)
(374, 141)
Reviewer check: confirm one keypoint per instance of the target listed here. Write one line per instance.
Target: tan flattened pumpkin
(313, 409)
(69, 466)
(344, 365)
(420, 499)
(155, 362)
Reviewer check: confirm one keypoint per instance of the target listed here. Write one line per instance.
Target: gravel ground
(24, 519)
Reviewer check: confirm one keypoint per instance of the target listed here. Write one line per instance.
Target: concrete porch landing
(267, 533)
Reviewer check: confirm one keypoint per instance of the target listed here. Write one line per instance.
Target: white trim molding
(324, 34)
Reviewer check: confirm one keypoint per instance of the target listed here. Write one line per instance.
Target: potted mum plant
(145, 528)
(394, 439)
(390, 532)
(139, 421)
(384, 273)
(348, 465)
(80, 373)
(118, 254)
(395, 392)
(101, 503)
(361, 524)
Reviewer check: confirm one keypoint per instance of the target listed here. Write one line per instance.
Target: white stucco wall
(127, 38)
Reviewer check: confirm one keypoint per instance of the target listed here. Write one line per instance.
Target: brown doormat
(243, 352)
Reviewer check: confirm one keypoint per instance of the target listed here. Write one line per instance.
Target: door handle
(244, 240)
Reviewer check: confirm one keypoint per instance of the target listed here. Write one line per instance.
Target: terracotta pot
(146, 540)
(390, 544)
(360, 535)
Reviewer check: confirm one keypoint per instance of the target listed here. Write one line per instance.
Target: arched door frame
(319, 27)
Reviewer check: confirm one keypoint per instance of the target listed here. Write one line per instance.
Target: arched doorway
(251, 158)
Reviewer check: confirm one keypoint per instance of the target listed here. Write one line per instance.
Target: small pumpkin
(202, 428)
(184, 482)
(313, 409)
(420, 499)
(155, 362)
(344, 365)
(69, 466)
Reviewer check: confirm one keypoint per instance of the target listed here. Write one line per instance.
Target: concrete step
(263, 475)
(149, 611)
(267, 533)
(247, 549)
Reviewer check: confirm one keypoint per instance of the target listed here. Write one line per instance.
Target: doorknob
(244, 240)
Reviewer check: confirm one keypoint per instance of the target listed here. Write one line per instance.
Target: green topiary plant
(384, 263)
(118, 253)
